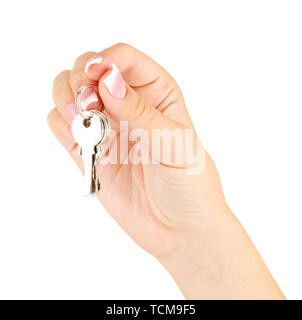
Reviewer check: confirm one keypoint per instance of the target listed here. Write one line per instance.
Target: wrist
(221, 263)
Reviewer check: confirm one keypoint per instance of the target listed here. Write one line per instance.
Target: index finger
(137, 68)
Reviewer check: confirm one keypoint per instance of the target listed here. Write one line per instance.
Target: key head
(88, 133)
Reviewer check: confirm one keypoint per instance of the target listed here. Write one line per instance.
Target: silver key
(90, 133)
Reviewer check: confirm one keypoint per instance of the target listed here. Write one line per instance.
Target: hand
(175, 213)
(159, 206)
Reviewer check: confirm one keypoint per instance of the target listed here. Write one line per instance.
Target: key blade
(88, 161)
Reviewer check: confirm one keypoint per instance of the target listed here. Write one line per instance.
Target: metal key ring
(78, 98)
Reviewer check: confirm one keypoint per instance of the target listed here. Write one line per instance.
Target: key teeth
(97, 186)
(95, 192)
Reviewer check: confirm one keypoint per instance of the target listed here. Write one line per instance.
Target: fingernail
(90, 99)
(71, 111)
(115, 83)
(93, 60)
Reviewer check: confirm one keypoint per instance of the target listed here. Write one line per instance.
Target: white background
(239, 64)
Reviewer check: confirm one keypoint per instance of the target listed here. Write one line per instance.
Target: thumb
(124, 103)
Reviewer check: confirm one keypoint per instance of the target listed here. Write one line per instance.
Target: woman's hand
(174, 209)
(160, 205)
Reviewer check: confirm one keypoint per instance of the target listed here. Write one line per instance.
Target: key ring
(78, 99)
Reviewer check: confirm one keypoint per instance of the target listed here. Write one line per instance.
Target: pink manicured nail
(93, 60)
(71, 111)
(115, 83)
(90, 99)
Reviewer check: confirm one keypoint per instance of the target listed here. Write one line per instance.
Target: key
(90, 133)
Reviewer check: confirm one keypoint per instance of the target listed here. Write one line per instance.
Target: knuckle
(59, 85)
(123, 46)
(61, 76)
(84, 56)
(51, 116)
(76, 82)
